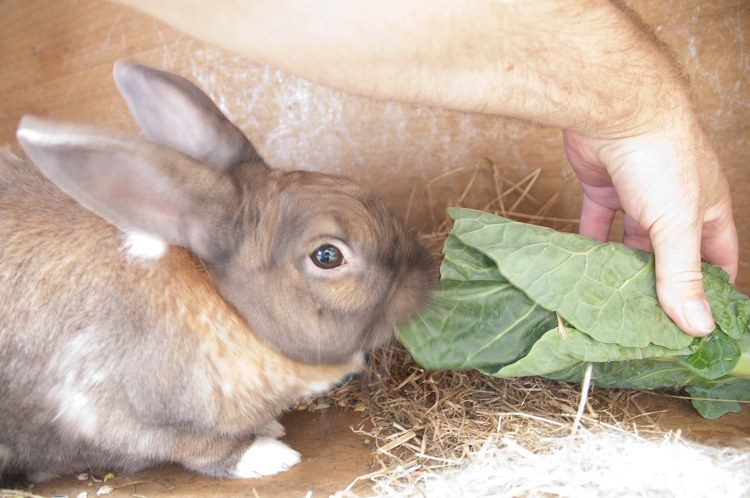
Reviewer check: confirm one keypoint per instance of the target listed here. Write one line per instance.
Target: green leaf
(663, 373)
(742, 368)
(553, 352)
(503, 282)
(730, 308)
(716, 356)
(712, 398)
(607, 291)
(475, 325)
(714, 409)
(727, 390)
(463, 263)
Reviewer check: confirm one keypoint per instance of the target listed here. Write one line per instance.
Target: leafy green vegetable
(503, 284)
(715, 356)
(554, 352)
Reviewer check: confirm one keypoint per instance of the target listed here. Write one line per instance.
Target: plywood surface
(57, 57)
(332, 457)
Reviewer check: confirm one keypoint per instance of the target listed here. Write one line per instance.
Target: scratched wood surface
(333, 456)
(56, 58)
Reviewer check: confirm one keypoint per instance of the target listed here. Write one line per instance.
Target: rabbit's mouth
(379, 335)
(408, 298)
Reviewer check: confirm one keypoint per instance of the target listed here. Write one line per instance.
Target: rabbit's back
(77, 331)
(52, 252)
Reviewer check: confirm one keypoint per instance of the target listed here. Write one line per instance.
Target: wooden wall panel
(56, 58)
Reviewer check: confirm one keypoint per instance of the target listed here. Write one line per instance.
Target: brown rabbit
(165, 301)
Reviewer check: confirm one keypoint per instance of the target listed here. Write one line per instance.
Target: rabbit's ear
(172, 111)
(136, 184)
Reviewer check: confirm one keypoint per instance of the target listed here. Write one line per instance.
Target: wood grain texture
(57, 57)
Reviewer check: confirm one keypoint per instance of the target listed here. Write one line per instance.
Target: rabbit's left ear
(172, 111)
(133, 183)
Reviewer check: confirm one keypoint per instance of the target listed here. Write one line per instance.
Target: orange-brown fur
(184, 353)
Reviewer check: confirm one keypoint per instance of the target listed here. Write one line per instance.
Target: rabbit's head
(319, 267)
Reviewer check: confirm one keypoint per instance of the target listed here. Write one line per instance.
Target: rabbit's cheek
(411, 295)
(344, 293)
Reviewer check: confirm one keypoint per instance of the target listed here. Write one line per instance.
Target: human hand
(676, 201)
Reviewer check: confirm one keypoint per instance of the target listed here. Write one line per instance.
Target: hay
(606, 464)
(428, 424)
(422, 422)
(510, 198)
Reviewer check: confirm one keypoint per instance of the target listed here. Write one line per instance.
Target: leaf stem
(742, 368)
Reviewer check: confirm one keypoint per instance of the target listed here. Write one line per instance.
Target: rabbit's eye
(327, 257)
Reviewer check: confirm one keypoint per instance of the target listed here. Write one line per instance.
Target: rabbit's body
(75, 392)
(120, 351)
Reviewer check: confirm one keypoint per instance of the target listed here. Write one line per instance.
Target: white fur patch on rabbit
(318, 387)
(142, 245)
(265, 457)
(72, 397)
(76, 411)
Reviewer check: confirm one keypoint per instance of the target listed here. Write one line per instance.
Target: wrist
(669, 112)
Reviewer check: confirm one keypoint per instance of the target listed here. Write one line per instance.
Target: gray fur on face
(108, 360)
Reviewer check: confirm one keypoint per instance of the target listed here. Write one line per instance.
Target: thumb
(679, 279)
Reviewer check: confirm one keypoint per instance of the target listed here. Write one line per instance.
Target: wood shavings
(429, 421)
(104, 490)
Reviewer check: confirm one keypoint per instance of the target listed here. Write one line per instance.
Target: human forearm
(588, 65)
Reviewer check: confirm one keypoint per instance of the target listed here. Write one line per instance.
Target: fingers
(596, 220)
(679, 279)
(680, 289)
(720, 245)
(636, 236)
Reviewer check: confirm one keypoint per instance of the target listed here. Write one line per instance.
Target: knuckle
(675, 215)
(719, 215)
(685, 280)
(670, 228)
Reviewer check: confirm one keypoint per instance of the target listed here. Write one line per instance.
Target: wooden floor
(333, 455)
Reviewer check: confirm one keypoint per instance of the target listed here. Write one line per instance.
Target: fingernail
(698, 316)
